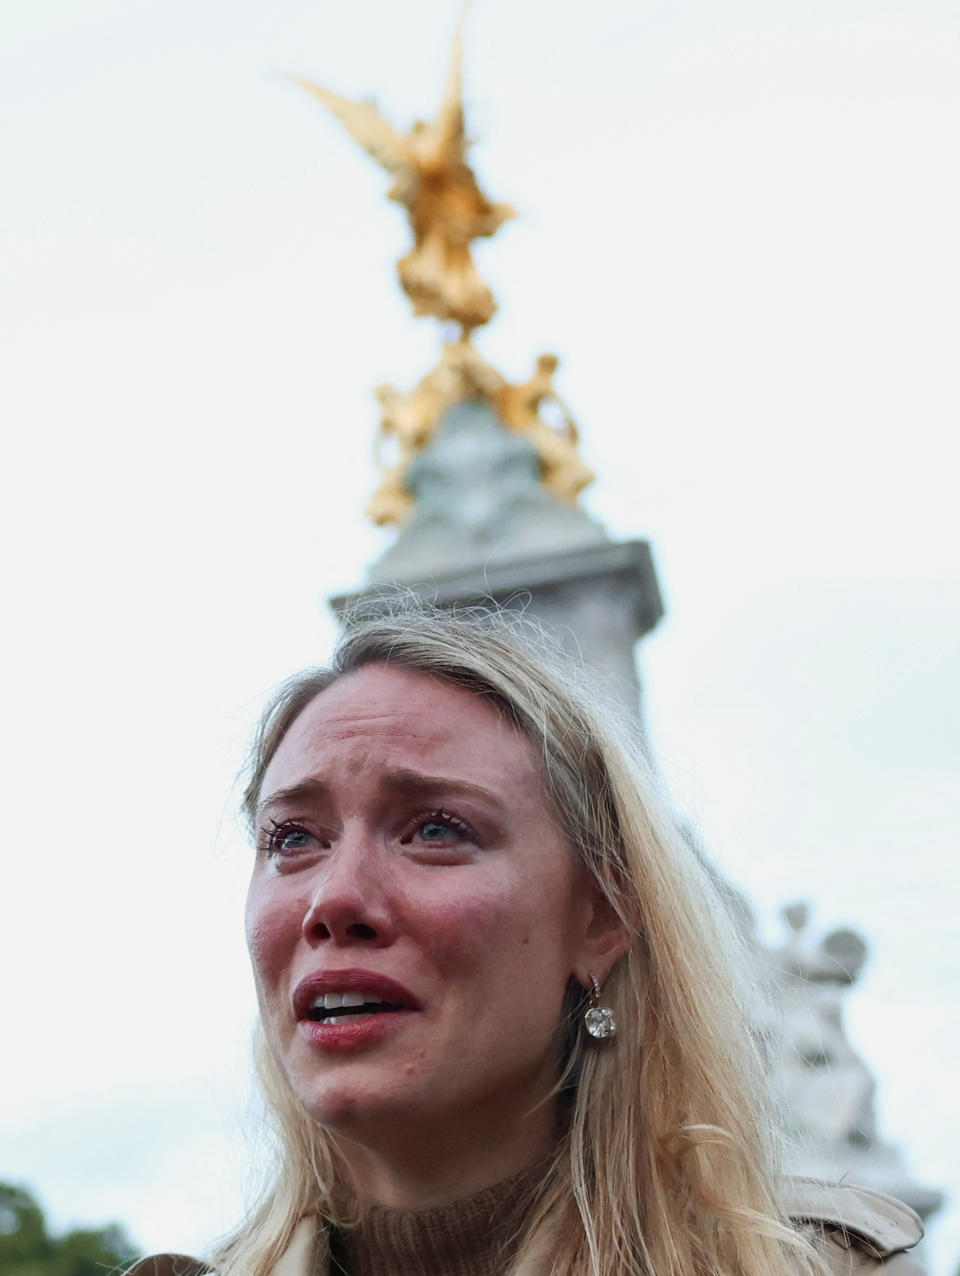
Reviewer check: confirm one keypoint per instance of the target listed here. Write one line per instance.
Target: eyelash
(458, 826)
(273, 833)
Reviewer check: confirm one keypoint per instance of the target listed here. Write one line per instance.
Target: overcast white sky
(738, 230)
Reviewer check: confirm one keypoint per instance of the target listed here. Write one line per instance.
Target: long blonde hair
(667, 1166)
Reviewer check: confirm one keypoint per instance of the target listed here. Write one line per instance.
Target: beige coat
(864, 1233)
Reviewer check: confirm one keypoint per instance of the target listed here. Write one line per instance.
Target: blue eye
(434, 830)
(293, 840)
(440, 828)
(286, 838)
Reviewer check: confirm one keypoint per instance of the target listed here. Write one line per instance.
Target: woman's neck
(475, 1236)
(431, 1168)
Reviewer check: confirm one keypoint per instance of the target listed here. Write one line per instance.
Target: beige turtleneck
(474, 1237)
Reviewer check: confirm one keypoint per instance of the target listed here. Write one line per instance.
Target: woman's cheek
(460, 924)
(273, 926)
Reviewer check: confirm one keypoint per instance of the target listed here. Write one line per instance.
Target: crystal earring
(599, 1020)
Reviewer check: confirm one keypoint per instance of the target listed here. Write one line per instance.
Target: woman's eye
(435, 830)
(293, 840)
(287, 839)
(440, 829)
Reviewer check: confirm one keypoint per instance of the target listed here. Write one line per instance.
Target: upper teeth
(334, 1000)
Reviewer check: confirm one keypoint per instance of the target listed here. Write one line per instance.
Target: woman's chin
(361, 1107)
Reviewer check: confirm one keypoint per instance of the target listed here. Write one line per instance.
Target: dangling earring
(599, 1020)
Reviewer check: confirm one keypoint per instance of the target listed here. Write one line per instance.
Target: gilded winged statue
(447, 212)
(446, 208)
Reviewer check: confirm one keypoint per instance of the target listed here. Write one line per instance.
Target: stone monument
(481, 479)
(826, 1090)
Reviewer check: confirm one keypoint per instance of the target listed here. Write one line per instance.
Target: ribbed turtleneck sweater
(473, 1237)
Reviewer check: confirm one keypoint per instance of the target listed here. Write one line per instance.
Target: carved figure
(408, 423)
(825, 1087)
(564, 472)
(446, 208)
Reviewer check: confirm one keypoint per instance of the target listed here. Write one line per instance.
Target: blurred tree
(26, 1248)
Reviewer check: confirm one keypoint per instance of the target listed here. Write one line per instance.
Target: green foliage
(27, 1249)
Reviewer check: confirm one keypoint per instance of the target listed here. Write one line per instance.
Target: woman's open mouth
(347, 1007)
(343, 1010)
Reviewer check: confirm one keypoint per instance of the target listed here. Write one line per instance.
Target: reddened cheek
(258, 944)
(273, 929)
(478, 931)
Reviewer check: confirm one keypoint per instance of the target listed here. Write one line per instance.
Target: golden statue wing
(366, 125)
(448, 126)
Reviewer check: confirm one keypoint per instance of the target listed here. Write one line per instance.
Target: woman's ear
(604, 938)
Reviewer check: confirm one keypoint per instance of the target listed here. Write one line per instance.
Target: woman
(501, 1028)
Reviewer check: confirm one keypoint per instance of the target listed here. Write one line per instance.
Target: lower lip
(331, 1037)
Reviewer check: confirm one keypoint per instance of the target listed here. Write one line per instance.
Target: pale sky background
(738, 230)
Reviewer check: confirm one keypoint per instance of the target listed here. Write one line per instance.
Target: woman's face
(408, 866)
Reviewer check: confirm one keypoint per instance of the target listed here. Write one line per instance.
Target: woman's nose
(351, 899)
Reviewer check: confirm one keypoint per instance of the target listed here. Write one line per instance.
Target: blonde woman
(502, 1023)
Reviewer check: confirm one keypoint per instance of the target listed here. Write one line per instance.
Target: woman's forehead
(409, 718)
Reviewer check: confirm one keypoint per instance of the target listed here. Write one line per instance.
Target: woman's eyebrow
(313, 787)
(417, 784)
(407, 783)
